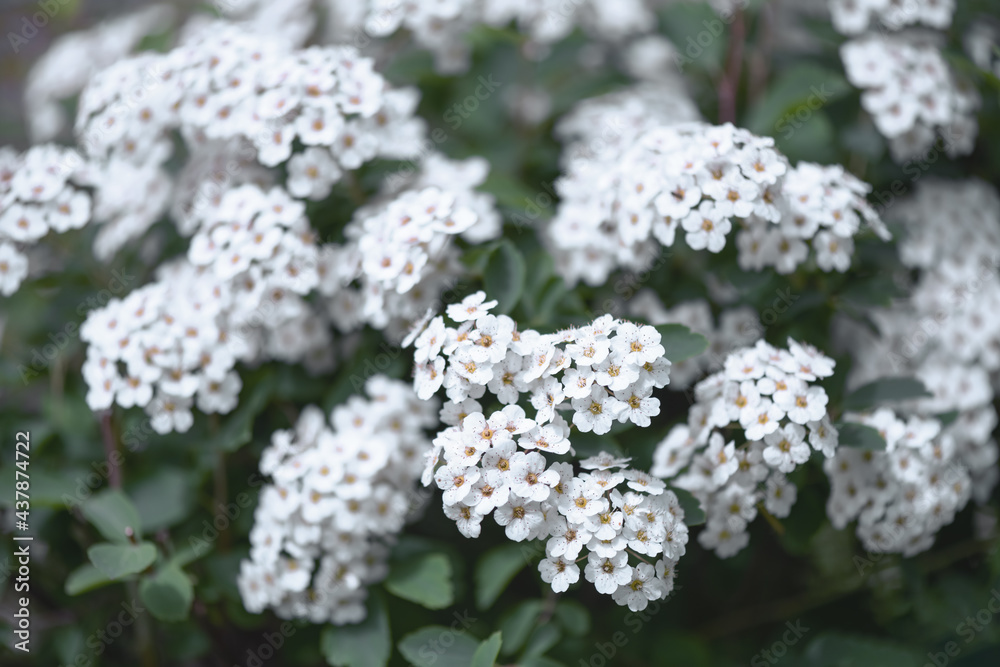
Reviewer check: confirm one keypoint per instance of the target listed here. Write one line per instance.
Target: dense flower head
(72, 59)
(766, 396)
(902, 496)
(175, 342)
(700, 181)
(600, 128)
(39, 192)
(401, 252)
(944, 334)
(497, 462)
(852, 17)
(249, 97)
(912, 94)
(340, 490)
(953, 238)
(442, 27)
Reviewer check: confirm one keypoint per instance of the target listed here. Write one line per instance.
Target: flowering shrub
(383, 332)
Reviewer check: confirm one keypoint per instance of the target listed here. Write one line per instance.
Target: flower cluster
(72, 59)
(37, 195)
(175, 342)
(765, 394)
(601, 128)
(400, 250)
(900, 497)
(340, 492)
(231, 91)
(442, 27)
(944, 335)
(821, 204)
(953, 237)
(261, 239)
(912, 94)
(699, 179)
(852, 17)
(496, 464)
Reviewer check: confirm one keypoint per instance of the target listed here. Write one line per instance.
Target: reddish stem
(108, 435)
(730, 81)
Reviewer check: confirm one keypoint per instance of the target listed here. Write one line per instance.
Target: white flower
(638, 406)
(559, 573)
(583, 499)
(607, 574)
(456, 481)
(761, 420)
(823, 436)
(722, 457)
(528, 477)
(643, 588)
(706, 227)
(801, 404)
(13, 268)
(726, 542)
(786, 448)
(596, 412)
(615, 374)
(468, 521)
(780, 495)
(471, 307)
(520, 517)
(637, 345)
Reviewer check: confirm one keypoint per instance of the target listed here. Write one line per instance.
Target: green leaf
(680, 342)
(573, 617)
(425, 579)
(518, 624)
(367, 644)
(793, 98)
(494, 571)
(85, 578)
(885, 390)
(120, 560)
(486, 654)
(112, 513)
(238, 428)
(859, 436)
(168, 593)
(163, 499)
(542, 639)
(504, 276)
(438, 646)
(693, 514)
